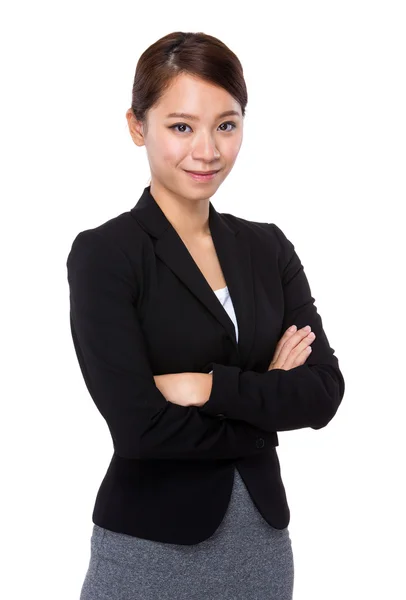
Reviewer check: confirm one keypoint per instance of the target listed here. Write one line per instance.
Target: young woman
(198, 339)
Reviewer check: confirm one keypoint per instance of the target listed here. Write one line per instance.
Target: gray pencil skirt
(244, 558)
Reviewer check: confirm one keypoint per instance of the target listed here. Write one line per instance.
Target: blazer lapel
(234, 255)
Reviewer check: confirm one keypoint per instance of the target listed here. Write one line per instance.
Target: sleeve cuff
(224, 389)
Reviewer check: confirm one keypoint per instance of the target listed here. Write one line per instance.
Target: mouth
(202, 175)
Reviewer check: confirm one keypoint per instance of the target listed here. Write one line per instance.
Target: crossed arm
(194, 389)
(185, 389)
(181, 422)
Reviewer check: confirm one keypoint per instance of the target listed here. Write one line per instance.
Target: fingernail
(292, 328)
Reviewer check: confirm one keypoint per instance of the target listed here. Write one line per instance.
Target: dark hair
(193, 53)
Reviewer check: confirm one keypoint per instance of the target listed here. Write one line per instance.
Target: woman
(179, 318)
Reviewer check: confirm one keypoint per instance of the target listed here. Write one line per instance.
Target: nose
(205, 148)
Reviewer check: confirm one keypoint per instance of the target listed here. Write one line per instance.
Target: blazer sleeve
(111, 352)
(278, 400)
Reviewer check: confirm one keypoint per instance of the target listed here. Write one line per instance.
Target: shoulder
(120, 236)
(270, 233)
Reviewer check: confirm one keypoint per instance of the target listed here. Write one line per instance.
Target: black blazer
(139, 307)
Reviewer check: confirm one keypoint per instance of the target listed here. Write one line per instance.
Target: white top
(224, 297)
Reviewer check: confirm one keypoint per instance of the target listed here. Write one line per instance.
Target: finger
(288, 333)
(303, 356)
(301, 352)
(305, 343)
(297, 358)
(291, 343)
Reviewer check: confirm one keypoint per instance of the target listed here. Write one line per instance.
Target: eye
(178, 125)
(232, 123)
(229, 123)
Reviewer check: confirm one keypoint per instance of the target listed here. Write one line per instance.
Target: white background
(323, 157)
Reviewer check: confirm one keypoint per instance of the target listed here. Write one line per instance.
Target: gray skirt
(244, 558)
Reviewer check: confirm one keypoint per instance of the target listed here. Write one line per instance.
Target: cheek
(230, 151)
(172, 153)
(230, 158)
(165, 150)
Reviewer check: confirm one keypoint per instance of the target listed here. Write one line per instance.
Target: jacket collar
(234, 254)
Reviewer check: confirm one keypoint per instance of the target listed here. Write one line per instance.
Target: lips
(203, 172)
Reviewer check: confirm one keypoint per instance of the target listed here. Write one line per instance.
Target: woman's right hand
(292, 349)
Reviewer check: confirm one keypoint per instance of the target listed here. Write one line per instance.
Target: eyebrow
(183, 115)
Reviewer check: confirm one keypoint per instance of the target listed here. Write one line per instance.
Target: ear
(135, 127)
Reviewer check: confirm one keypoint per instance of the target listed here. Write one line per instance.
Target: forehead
(191, 94)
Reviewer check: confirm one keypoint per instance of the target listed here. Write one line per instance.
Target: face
(177, 144)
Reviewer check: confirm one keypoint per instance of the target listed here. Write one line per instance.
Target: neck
(188, 216)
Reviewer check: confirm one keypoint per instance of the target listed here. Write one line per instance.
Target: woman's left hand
(185, 389)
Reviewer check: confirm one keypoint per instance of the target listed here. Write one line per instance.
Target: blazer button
(260, 443)
(221, 416)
